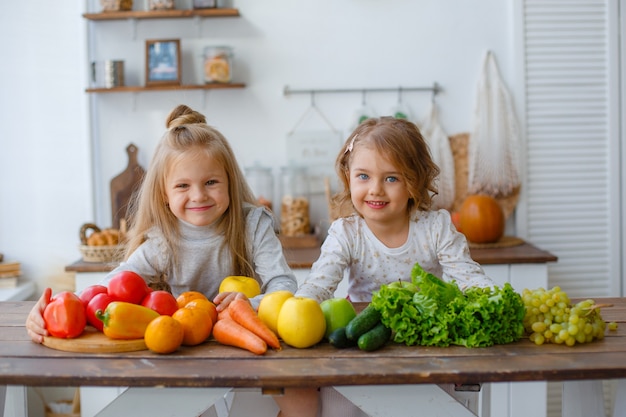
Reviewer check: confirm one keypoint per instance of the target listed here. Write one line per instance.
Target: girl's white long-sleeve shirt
(204, 258)
(351, 246)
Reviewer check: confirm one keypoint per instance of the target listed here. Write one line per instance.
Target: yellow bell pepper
(124, 320)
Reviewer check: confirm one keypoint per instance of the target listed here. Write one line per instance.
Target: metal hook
(363, 101)
(312, 98)
(399, 94)
(435, 91)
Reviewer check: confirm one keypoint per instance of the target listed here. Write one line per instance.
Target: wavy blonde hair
(188, 133)
(401, 143)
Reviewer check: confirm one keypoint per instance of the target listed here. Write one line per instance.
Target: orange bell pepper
(124, 320)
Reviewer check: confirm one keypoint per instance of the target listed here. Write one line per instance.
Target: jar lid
(208, 50)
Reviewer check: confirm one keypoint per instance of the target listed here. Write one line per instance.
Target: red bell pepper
(129, 287)
(98, 302)
(65, 315)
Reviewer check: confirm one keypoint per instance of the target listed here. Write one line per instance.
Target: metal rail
(435, 89)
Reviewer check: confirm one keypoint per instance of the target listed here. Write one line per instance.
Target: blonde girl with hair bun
(194, 221)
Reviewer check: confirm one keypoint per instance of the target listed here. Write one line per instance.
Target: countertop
(303, 258)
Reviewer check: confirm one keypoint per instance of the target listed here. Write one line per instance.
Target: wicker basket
(102, 254)
(116, 5)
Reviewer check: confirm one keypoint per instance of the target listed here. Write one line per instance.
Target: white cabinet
(519, 399)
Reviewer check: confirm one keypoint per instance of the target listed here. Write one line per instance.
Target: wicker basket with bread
(101, 245)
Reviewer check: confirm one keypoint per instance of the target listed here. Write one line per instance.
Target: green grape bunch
(551, 318)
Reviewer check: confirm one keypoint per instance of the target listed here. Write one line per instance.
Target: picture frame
(163, 62)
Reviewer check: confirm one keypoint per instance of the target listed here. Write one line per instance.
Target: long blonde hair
(188, 132)
(401, 143)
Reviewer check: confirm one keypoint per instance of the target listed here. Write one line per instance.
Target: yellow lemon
(270, 306)
(237, 283)
(301, 322)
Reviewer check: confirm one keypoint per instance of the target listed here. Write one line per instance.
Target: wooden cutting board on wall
(124, 185)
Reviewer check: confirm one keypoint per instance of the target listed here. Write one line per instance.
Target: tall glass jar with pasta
(294, 207)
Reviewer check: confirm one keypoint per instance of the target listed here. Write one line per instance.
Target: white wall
(45, 169)
(44, 144)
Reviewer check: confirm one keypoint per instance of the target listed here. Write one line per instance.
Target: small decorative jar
(116, 5)
(160, 4)
(217, 64)
(204, 4)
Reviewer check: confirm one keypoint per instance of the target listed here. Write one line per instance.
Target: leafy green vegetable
(440, 314)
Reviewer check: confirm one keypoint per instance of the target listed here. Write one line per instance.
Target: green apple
(404, 284)
(338, 312)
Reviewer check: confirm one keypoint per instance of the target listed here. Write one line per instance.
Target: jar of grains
(294, 205)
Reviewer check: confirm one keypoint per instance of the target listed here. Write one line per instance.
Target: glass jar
(294, 205)
(160, 4)
(218, 64)
(204, 4)
(261, 181)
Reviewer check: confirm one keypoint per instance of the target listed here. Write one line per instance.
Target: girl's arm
(455, 258)
(268, 258)
(328, 271)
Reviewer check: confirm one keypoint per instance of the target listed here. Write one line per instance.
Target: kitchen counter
(303, 258)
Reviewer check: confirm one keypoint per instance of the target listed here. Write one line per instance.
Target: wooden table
(212, 365)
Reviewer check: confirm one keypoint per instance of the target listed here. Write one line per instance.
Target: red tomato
(65, 315)
(129, 287)
(88, 293)
(98, 302)
(161, 301)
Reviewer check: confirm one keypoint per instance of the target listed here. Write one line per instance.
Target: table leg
(3, 395)
(583, 399)
(619, 408)
(13, 401)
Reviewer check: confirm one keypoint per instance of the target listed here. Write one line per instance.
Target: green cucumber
(338, 339)
(375, 338)
(363, 322)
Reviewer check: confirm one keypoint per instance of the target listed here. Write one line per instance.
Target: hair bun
(184, 115)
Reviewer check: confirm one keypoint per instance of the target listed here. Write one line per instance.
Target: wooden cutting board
(124, 185)
(93, 341)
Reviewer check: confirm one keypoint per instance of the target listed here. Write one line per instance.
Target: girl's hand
(223, 299)
(35, 325)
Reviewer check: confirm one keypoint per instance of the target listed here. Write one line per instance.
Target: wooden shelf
(162, 14)
(138, 88)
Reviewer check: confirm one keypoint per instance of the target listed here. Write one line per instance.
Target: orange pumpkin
(482, 219)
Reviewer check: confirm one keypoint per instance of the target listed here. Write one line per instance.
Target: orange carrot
(224, 314)
(227, 332)
(242, 312)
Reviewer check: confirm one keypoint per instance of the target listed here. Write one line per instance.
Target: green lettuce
(440, 314)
